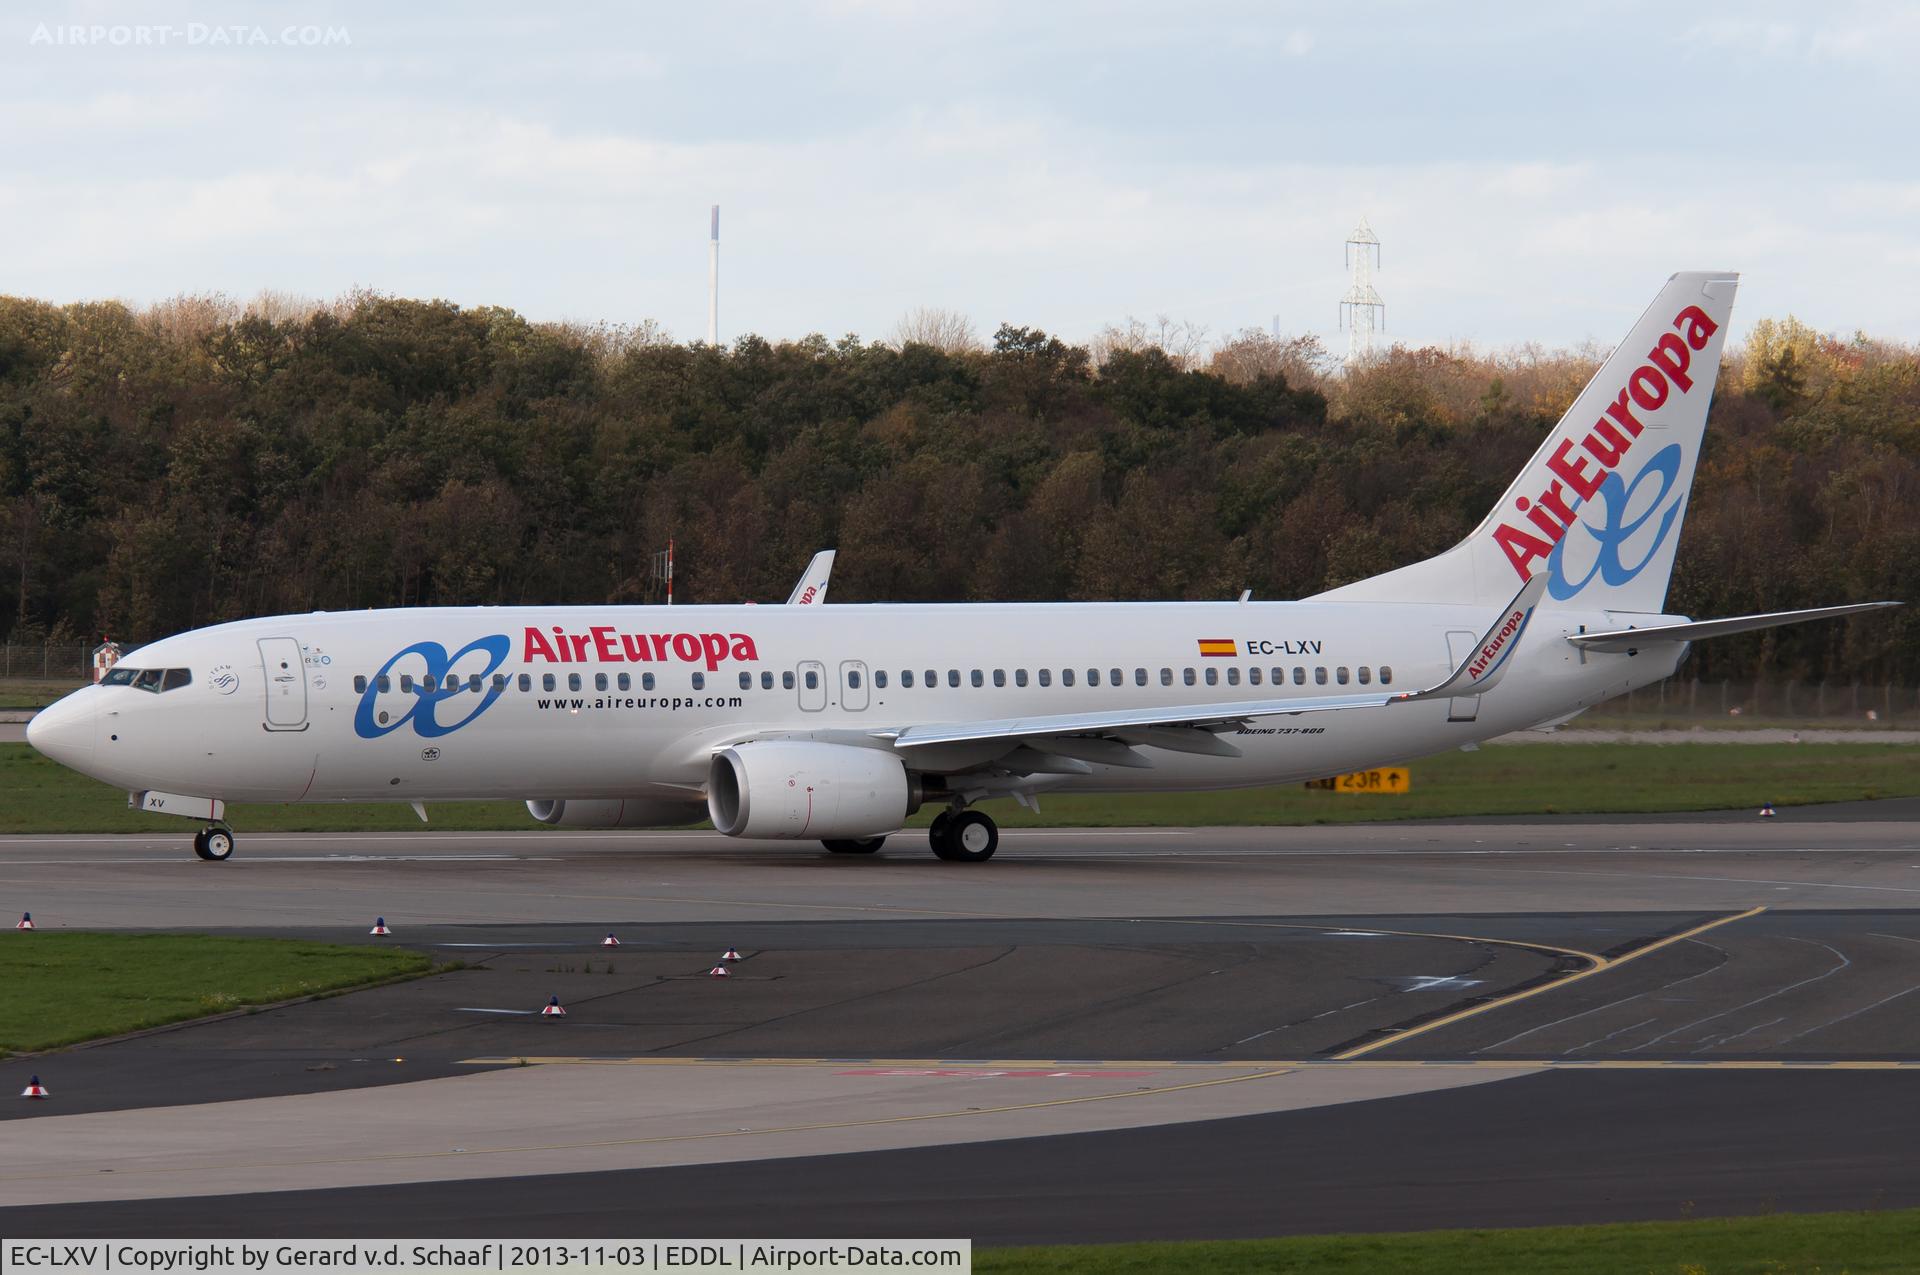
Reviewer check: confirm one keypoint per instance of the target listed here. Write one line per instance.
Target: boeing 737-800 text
(837, 723)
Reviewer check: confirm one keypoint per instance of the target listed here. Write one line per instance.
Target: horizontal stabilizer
(1616, 640)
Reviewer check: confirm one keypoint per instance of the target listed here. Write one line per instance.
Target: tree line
(197, 461)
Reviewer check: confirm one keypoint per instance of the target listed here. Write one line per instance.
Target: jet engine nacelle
(630, 812)
(802, 790)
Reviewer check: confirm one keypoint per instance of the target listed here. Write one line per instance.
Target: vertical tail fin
(1599, 506)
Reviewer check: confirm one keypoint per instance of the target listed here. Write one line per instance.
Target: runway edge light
(731, 954)
(380, 926)
(26, 921)
(35, 1089)
(553, 1008)
(718, 971)
(1766, 810)
(609, 941)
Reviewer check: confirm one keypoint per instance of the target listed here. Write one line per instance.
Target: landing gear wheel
(964, 836)
(865, 845)
(214, 844)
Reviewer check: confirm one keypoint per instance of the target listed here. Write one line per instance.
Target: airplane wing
(1189, 727)
(812, 587)
(1615, 640)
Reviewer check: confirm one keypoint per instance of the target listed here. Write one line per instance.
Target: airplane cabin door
(853, 686)
(813, 685)
(286, 678)
(1460, 644)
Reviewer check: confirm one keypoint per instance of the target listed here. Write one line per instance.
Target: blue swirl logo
(424, 712)
(1616, 529)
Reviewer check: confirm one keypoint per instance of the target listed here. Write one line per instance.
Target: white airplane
(836, 724)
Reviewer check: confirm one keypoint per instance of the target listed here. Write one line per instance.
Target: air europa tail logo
(1577, 478)
(604, 643)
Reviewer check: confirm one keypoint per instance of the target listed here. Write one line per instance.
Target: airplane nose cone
(64, 729)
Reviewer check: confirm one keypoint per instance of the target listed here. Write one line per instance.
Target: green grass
(57, 988)
(35, 692)
(1778, 1244)
(37, 795)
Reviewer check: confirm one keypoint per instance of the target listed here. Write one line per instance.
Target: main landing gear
(964, 836)
(214, 843)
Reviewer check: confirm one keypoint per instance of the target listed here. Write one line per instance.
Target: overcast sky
(1534, 171)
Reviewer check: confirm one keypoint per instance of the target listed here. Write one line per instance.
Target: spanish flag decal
(1218, 646)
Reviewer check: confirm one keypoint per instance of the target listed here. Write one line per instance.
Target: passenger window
(406, 683)
(426, 684)
(1093, 677)
(700, 681)
(624, 681)
(1386, 675)
(1299, 676)
(500, 682)
(526, 682)
(1340, 675)
(766, 682)
(813, 680)
(385, 683)
(1045, 675)
(746, 681)
(473, 683)
(1187, 676)
(933, 679)
(1253, 676)
(1166, 677)
(359, 684)
(853, 678)
(1139, 677)
(906, 678)
(976, 678)
(1366, 674)
(786, 681)
(1066, 676)
(646, 681)
(999, 677)
(1320, 676)
(573, 681)
(880, 679)
(1019, 677)
(546, 681)
(1213, 676)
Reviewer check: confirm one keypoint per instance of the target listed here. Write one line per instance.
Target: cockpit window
(176, 678)
(155, 680)
(148, 679)
(120, 676)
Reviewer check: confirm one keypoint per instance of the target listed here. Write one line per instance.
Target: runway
(1102, 1034)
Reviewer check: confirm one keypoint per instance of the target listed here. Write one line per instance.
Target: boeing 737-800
(836, 723)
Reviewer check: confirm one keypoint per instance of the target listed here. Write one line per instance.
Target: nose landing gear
(964, 836)
(214, 843)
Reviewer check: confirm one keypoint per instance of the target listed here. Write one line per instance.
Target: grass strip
(62, 987)
(1777, 1244)
(40, 796)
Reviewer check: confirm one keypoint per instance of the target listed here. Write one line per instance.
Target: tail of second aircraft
(1599, 506)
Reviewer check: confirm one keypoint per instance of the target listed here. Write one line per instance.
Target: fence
(1855, 705)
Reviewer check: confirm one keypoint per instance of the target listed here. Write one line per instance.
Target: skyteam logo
(436, 712)
(1628, 537)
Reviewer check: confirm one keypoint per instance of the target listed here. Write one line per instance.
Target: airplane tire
(968, 836)
(214, 844)
(865, 845)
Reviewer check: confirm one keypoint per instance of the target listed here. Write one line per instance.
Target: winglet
(1493, 653)
(812, 585)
